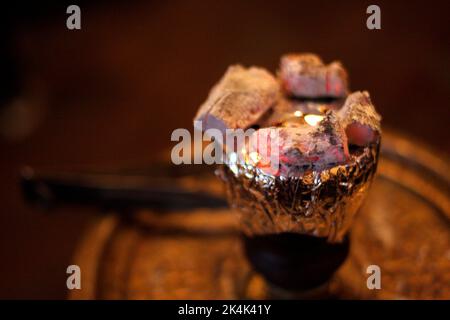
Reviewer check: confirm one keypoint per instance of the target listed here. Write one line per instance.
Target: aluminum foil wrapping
(319, 203)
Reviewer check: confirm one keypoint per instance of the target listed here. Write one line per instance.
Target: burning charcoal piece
(286, 109)
(240, 98)
(360, 119)
(306, 76)
(301, 146)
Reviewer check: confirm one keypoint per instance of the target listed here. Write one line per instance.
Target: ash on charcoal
(301, 146)
(239, 99)
(305, 75)
(360, 119)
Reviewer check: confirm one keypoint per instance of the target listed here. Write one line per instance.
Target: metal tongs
(158, 188)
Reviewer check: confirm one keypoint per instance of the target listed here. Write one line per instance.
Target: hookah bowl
(294, 229)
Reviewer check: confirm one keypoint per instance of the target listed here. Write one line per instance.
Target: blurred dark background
(110, 94)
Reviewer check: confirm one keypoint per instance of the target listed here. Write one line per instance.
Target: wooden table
(403, 228)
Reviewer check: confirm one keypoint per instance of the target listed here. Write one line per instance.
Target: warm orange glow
(313, 119)
(255, 157)
(298, 113)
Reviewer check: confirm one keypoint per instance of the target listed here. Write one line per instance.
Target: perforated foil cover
(319, 203)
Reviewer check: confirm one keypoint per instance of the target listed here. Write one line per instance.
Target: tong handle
(113, 191)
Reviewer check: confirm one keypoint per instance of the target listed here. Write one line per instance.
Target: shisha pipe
(295, 215)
